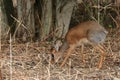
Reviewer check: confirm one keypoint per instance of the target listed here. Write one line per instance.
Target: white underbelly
(83, 41)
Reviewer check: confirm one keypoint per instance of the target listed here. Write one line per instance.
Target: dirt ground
(30, 61)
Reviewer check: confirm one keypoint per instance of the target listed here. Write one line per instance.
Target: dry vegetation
(30, 61)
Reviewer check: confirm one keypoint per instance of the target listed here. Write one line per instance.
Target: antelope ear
(58, 43)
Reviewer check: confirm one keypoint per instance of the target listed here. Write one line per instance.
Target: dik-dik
(89, 32)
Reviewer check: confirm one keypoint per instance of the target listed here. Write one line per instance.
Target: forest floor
(30, 61)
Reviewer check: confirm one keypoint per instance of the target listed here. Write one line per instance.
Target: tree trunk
(4, 28)
(9, 10)
(0, 25)
(46, 18)
(25, 27)
(38, 14)
(63, 16)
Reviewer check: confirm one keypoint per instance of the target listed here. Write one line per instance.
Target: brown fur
(80, 31)
(78, 35)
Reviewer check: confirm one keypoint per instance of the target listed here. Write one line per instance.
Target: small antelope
(89, 32)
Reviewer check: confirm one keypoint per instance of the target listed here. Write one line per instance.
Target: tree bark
(0, 24)
(25, 27)
(4, 28)
(38, 15)
(46, 18)
(9, 10)
(63, 16)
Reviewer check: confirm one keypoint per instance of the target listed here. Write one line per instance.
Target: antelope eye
(52, 56)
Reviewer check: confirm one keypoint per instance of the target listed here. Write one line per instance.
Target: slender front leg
(83, 55)
(103, 54)
(69, 51)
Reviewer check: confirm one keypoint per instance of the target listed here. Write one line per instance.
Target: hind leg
(102, 58)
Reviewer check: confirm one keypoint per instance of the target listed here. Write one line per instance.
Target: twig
(20, 23)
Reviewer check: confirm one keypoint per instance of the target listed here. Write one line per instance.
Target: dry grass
(30, 61)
